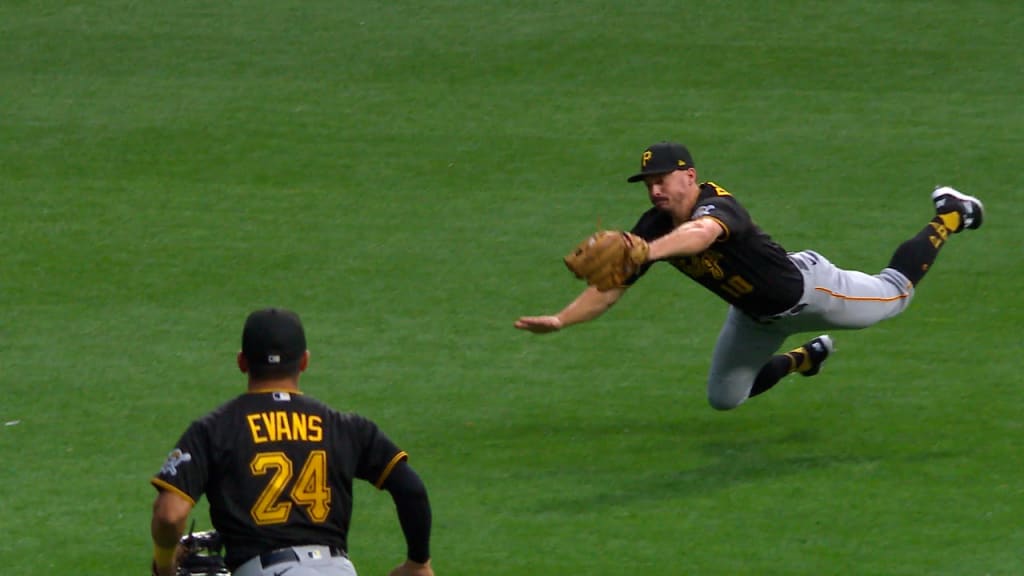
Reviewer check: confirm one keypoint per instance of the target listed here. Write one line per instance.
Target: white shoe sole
(943, 190)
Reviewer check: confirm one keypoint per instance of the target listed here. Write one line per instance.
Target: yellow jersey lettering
(281, 426)
(270, 424)
(256, 429)
(299, 426)
(284, 430)
(316, 430)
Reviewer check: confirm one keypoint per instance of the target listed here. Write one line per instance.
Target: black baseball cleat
(815, 353)
(971, 209)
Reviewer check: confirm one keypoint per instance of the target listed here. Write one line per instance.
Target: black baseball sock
(775, 369)
(914, 257)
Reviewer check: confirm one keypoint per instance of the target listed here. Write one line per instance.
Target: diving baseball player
(704, 232)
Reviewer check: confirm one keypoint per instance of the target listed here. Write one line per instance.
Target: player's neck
(274, 385)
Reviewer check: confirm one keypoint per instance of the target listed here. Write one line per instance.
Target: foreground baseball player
(277, 468)
(705, 233)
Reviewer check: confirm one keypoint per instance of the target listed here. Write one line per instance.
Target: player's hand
(539, 324)
(410, 568)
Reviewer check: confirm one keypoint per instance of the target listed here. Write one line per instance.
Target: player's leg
(805, 360)
(954, 213)
(851, 299)
(742, 349)
(848, 299)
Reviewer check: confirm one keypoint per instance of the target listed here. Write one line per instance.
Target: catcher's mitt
(607, 258)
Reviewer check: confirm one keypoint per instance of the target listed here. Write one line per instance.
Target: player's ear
(243, 364)
(304, 362)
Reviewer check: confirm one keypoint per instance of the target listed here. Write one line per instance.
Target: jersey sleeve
(187, 466)
(725, 210)
(378, 455)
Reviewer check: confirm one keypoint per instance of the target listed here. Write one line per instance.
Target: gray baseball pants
(833, 299)
(312, 561)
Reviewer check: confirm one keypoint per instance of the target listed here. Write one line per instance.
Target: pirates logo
(175, 459)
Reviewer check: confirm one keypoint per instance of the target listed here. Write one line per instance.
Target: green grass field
(408, 176)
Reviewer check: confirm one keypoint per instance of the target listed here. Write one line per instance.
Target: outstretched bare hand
(539, 324)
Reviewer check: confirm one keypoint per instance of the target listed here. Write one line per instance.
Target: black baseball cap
(273, 341)
(662, 158)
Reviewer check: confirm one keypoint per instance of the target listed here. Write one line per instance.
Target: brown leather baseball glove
(607, 258)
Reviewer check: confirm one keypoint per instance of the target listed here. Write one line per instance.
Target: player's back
(281, 470)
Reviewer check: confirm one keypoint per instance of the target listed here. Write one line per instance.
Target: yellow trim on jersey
(718, 189)
(862, 298)
(402, 455)
(720, 223)
(163, 485)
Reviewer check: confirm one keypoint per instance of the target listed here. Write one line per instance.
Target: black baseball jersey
(277, 468)
(744, 267)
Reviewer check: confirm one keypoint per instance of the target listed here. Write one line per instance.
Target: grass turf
(407, 177)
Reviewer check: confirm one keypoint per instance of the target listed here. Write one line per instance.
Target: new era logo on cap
(662, 158)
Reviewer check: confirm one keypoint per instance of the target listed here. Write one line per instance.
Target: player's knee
(728, 390)
(725, 401)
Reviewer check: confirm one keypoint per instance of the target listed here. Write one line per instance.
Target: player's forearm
(166, 535)
(590, 304)
(687, 239)
(170, 512)
(413, 507)
(165, 543)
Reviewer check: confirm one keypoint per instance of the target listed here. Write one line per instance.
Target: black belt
(268, 559)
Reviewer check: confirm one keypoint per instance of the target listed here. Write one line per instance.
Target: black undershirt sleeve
(413, 507)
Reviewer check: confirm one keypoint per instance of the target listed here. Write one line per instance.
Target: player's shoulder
(221, 410)
(339, 416)
(713, 196)
(354, 419)
(718, 203)
(712, 191)
(306, 403)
